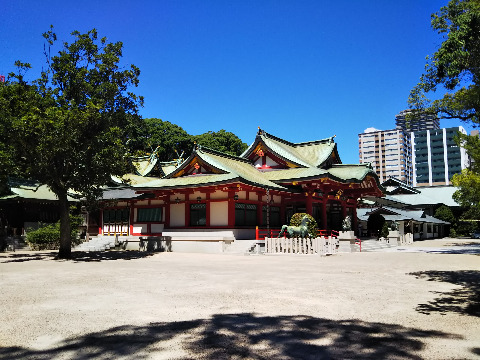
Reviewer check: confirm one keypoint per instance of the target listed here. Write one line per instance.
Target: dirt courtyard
(413, 303)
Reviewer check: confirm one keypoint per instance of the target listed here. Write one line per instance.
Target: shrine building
(213, 195)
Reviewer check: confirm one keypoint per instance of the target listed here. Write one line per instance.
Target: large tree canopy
(222, 140)
(455, 67)
(67, 129)
(454, 71)
(171, 140)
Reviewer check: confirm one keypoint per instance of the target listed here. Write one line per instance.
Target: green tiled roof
(294, 173)
(307, 154)
(145, 165)
(235, 165)
(39, 192)
(351, 172)
(185, 181)
(234, 168)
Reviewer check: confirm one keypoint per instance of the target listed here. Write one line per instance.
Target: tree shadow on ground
(464, 300)
(243, 336)
(79, 256)
(465, 249)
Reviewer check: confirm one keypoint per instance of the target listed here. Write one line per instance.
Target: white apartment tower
(389, 153)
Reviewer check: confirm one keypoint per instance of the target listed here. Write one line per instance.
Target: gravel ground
(419, 302)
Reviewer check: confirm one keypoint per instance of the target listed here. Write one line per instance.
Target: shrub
(453, 233)
(47, 237)
(296, 220)
(385, 230)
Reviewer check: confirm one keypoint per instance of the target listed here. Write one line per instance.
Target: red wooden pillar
(324, 213)
(207, 201)
(187, 210)
(354, 216)
(309, 203)
(132, 212)
(260, 204)
(231, 209)
(344, 209)
(167, 211)
(100, 225)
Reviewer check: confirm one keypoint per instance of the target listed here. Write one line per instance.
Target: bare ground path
(408, 304)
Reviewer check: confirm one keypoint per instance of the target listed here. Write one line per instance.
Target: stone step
(240, 246)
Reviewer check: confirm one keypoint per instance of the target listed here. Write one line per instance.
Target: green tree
(170, 139)
(444, 213)
(454, 71)
(385, 230)
(223, 141)
(67, 128)
(468, 196)
(455, 66)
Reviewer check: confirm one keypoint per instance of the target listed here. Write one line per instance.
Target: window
(274, 216)
(149, 214)
(245, 214)
(198, 214)
(115, 215)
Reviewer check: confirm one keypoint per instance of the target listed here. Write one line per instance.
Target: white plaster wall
(139, 228)
(242, 195)
(253, 196)
(156, 228)
(156, 202)
(270, 162)
(214, 247)
(218, 195)
(181, 197)
(142, 202)
(219, 213)
(177, 214)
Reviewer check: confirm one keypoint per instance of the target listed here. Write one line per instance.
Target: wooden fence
(262, 233)
(406, 239)
(317, 246)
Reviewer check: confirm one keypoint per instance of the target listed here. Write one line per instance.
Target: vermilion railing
(327, 233)
(261, 234)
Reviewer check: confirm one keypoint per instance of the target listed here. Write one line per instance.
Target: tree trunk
(65, 251)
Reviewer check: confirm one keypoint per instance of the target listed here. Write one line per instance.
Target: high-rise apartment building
(436, 156)
(423, 122)
(389, 153)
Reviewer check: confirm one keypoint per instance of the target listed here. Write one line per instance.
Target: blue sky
(301, 70)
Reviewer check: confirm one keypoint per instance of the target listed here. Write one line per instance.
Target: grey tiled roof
(429, 196)
(395, 214)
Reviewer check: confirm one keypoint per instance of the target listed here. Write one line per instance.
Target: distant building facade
(424, 122)
(436, 156)
(417, 152)
(389, 153)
